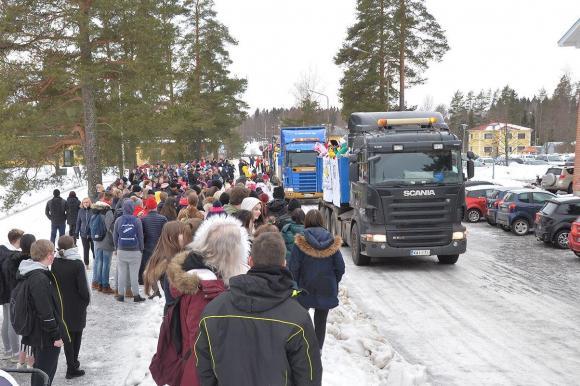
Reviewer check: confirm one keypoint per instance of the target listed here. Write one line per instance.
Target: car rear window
(554, 171)
(549, 208)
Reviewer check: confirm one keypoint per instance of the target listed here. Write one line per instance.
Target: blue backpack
(98, 230)
(127, 230)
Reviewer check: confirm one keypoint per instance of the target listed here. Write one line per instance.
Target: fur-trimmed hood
(318, 243)
(179, 278)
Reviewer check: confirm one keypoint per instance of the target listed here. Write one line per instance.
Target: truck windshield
(416, 168)
(303, 158)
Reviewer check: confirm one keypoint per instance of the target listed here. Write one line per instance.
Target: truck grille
(417, 223)
(304, 182)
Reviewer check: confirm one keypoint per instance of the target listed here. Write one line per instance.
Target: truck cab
(297, 160)
(407, 192)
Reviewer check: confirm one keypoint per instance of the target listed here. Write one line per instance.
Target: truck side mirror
(470, 169)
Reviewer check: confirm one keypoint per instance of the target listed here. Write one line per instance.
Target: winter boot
(70, 374)
(120, 298)
(138, 299)
(100, 289)
(95, 285)
(107, 290)
(128, 293)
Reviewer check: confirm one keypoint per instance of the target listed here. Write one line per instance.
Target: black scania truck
(403, 191)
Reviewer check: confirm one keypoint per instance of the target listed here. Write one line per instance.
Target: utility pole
(464, 126)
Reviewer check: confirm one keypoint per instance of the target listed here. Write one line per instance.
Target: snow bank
(356, 353)
(513, 175)
(252, 148)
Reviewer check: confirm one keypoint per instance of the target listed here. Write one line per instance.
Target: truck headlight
(375, 238)
(289, 189)
(458, 235)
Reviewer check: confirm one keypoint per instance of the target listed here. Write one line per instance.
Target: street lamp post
(464, 126)
(327, 105)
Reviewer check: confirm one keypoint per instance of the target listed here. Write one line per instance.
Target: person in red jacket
(196, 276)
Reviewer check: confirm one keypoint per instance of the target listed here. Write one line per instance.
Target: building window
(488, 136)
(521, 148)
(487, 149)
(510, 149)
(521, 135)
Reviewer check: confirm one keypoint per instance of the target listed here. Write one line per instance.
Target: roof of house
(572, 37)
(495, 126)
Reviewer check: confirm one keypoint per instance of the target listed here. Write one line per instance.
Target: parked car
(518, 210)
(477, 183)
(558, 178)
(535, 162)
(554, 220)
(570, 161)
(556, 159)
(487, 160)
(494, 199)
(476, 202)
(574, 237)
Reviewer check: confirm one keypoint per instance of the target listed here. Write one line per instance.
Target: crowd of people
(238, 266)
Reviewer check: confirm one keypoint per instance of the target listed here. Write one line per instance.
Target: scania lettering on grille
(415, 193)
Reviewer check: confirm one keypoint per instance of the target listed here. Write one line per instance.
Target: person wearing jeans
(103, 249)
(56, 212)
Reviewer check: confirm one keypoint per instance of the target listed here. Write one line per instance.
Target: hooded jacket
(69, 271)
(317, 266)
(259, 335)
(128, 209)
(48, 324)
(195, 285)
(102, 208)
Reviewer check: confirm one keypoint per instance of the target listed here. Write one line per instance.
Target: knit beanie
(56, 193)
(249, 203)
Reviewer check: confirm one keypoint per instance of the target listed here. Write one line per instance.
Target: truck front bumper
(298, 195)
(372, 249)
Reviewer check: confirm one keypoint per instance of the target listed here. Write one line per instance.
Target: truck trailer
(400, 191)
(296, 165)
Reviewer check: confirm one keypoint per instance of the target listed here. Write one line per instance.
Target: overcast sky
(493, 43)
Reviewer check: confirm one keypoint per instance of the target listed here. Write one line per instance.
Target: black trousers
(87, 243)
(45, 359)
(71, 230)
(71, 350)
(320, 325)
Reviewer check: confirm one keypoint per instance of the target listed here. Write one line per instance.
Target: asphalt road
(507, 313)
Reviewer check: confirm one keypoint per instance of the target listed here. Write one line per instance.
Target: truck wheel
(357, 257)
(447, 259)
(335, 223)
(473, 215)
(520, 227)
(561, 239)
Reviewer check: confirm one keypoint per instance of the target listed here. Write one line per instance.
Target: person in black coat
(56, 212)
(48, 328)
(259, 334)
(70, 274)
(72, 209)
(152, 225)
(317, 266)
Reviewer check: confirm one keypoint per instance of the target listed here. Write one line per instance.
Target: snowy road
(507, 313)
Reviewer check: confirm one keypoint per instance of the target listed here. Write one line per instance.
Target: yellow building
(490, 140)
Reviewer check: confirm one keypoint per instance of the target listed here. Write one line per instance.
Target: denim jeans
(56, 227)
(102, 266)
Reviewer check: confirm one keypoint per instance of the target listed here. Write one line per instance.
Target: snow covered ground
(517, 174)
(121, 338)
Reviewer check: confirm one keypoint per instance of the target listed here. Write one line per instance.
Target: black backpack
(21, 308)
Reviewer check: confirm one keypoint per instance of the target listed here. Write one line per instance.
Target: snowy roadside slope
(512, 175)
(355, 353)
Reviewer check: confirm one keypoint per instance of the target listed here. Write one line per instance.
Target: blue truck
(296, 166)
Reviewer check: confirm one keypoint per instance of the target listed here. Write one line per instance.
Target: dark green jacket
(257, 334)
